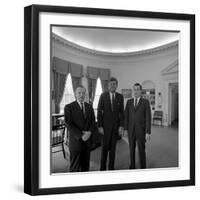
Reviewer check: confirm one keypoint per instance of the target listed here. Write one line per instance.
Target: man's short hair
(137, 84)
(113, 79)
(80, 86)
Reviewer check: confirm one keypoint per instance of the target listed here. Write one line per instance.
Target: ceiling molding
(171, 69)
(82, 49)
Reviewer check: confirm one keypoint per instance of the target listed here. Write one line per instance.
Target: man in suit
(137, 125)
(110, 117)
(80, 122)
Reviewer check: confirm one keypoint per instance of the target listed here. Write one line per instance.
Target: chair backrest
(58, 127)
(158, 113)
(57, 119)
(58, 132)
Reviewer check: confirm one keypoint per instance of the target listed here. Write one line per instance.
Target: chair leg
(63, 150)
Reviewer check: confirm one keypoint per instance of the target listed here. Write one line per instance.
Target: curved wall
(130, 68)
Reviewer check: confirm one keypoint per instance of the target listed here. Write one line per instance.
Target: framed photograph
(127, 93)
(83, 132)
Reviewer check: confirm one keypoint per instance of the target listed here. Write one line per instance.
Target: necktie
(82, 109)
(136, 102)
(113, 98)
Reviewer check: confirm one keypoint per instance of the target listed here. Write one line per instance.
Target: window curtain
(104, 84)
(91, 89)
(92, 74)
(60, 71)
(76, 71)
(76, 81)
(59, 86)
(61, 68)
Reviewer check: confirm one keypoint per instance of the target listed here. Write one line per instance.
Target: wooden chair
(58, 133)
(158, 116)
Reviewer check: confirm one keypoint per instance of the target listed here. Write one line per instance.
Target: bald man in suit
(80, 122)
(137, 125)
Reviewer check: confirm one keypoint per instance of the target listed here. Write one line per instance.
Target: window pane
(68, 95)
(98, 92)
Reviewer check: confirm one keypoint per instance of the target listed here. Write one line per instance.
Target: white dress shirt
(81, 106)
(138, 99)
(111, 95)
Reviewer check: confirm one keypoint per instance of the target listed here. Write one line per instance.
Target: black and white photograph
(109, 100)
(97, 125)
(100, 100)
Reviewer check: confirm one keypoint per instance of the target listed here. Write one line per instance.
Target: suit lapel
(79, 109)
(139, 103)
(114, 103)
(77, 106)
(132, 105)
(86, 110)
(115, 100)
(109, 100)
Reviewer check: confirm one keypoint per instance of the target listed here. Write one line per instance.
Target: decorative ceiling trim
(171, 69)
(82, 49)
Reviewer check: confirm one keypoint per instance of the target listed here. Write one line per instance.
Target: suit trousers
(80, 160)
(109, 150)
(142, 153)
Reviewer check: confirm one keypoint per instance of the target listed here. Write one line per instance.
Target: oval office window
(68, 95)
(98, 92)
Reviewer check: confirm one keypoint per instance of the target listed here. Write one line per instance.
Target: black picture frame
(31, 98)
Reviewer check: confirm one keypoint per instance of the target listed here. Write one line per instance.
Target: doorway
(173, 105)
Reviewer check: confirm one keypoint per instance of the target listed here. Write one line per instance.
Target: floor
(161, 151)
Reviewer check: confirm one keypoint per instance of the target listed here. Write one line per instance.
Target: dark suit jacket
(76, 123)
(108, 119)
(138, 120)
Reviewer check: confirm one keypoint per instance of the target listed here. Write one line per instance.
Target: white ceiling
(115, 40)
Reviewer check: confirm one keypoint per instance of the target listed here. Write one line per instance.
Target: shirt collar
(138, 98)
(112, 93)
(79, 103)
